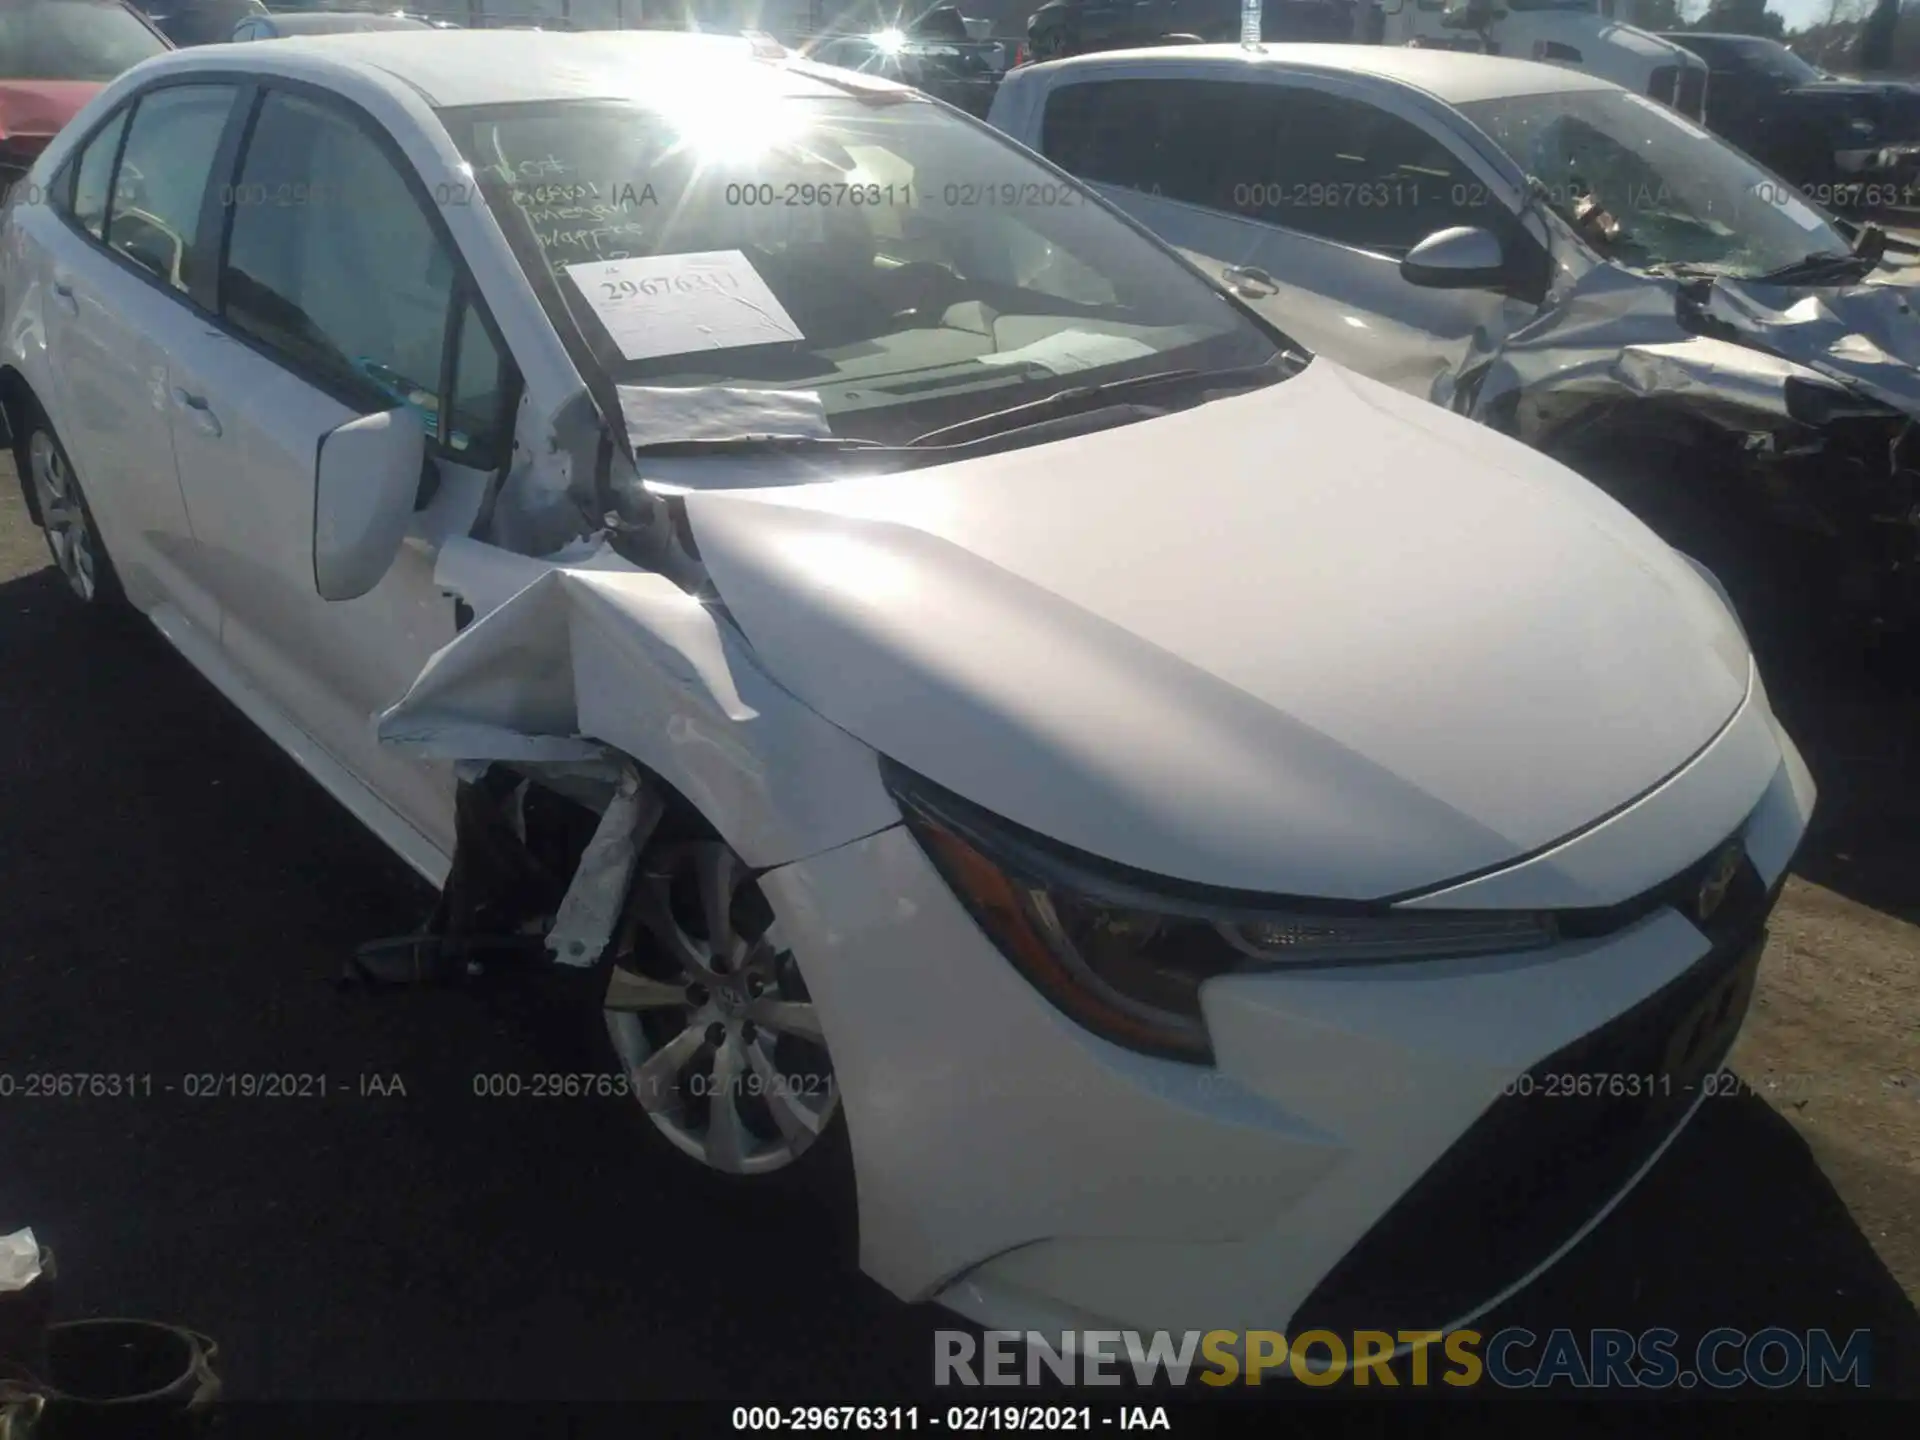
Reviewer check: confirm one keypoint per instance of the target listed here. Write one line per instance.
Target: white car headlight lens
(1126, 956)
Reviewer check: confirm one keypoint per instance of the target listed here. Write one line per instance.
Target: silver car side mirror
(1464, 257)
(366, 481)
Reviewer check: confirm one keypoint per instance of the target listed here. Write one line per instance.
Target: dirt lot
(178, 902)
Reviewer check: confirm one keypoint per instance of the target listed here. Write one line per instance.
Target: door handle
(204, 420)
(65, 292)
(1250, 281)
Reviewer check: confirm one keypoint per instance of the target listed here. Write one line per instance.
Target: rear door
(340, 295)
(1302, 199)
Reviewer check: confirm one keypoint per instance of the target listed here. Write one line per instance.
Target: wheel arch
(17, 401)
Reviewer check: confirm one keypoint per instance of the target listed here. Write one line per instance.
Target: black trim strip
(1572, 835)
(1044, 861)
(547, 289)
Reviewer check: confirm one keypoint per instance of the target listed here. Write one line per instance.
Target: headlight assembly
(1125, 955)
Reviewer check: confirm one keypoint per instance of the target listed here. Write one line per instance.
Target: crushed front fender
(567, 660)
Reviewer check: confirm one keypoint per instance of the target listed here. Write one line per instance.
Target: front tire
(716, 1031)
(60, 507)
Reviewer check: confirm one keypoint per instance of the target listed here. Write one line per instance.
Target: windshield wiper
(1077, 398)
(1687, 268)
(1820, 265)
(967, 433)
(1869, 245)
(760, 445)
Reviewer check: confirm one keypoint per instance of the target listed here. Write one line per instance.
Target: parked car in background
(1843, 142)
(1077, 27)
(281, 26)
(1580, 34)
(54, 57)
(201, 22)
(1141, 814)
(1565, 259)
(962, 74)
(945, 25)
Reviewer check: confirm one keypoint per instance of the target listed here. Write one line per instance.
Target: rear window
(72, 40)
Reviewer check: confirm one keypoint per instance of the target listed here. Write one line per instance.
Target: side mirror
(1462, 258)
(365, 484)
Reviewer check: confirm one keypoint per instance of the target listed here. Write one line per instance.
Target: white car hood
(1320, 639)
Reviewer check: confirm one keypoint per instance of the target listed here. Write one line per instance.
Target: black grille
(1693, 93)
(1660, 87)
(1539, 1164)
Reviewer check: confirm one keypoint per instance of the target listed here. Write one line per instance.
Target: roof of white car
(334, 22)
(1454, 76)
(491, 67)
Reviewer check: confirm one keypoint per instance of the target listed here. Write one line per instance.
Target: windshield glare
(912, 268)
(1680, 196)
(71, 40)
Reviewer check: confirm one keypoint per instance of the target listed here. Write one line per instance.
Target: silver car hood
(1319, 639)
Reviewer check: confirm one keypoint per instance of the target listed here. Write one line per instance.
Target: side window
(1350, 172)
(1103, 131)
(1174, 138)
(476, 425)
(92, 172)
(154, 214)
(332, 261)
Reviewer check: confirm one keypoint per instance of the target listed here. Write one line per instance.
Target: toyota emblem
(1716, 882)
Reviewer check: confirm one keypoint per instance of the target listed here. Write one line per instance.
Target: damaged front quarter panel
(568, 659)
(1807, 394)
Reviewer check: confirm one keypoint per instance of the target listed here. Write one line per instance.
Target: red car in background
(54, 56)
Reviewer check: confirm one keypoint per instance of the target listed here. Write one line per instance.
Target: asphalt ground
(176, 900)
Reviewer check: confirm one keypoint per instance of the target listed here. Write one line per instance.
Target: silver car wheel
(721, 1043)
(69, 533)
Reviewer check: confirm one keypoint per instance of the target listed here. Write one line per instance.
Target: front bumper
(1350, 1160)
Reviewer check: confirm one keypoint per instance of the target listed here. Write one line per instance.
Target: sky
(1798, 13)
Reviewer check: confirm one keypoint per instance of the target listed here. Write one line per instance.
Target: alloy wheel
(708, 1012)
(64, 516)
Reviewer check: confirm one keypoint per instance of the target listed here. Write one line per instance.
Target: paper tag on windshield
(663, 415)
(659, 305)
(1070, 350)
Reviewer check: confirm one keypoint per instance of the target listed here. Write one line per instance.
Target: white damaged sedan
(1207, 840)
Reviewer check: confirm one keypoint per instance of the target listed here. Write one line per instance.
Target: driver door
(340, 295)
(1305, 212)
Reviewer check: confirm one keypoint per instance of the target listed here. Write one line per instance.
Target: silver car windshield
(914, 269)
(1676, 194)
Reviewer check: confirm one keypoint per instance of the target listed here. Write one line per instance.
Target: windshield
(1676, 194)
(71, 40)
(1774, 60)
(910, 267)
